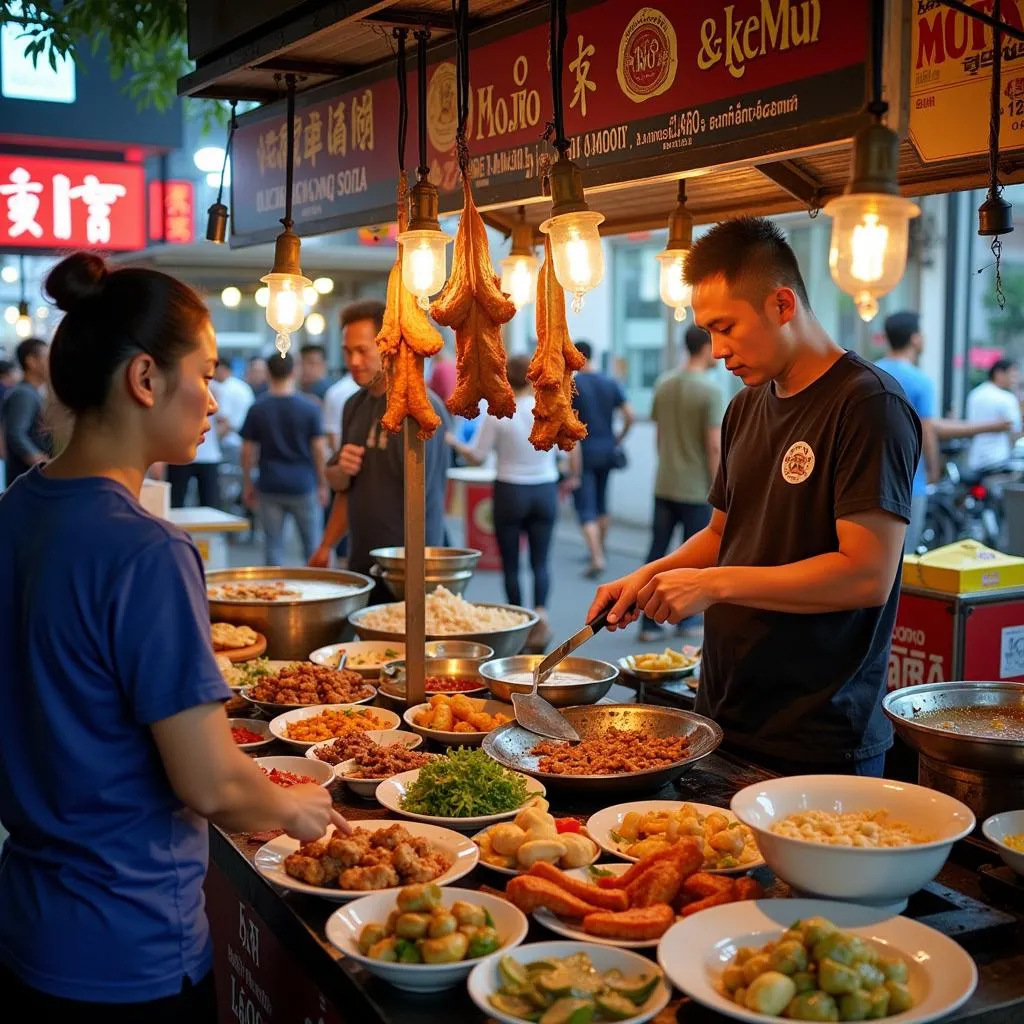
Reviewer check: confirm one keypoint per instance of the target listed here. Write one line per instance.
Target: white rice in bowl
(447, 614)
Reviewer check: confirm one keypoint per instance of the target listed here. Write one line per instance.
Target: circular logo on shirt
(798, 463)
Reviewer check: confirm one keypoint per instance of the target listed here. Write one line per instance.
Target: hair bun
(75, 279)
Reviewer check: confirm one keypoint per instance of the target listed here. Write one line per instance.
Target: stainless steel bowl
(980, 753)
(503, 642)
(463, 649)
(456, 582)
(600, 676)
(292, 628)
(437, 560)
(392, 677)
(511, 745)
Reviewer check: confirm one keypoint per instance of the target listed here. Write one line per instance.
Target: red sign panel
(993, 642)
(922, 641)
(258, 980)
(648, 91)
(71, 204)
(171, 212)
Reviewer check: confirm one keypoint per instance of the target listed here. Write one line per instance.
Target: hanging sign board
(951, 79)
(648, 91)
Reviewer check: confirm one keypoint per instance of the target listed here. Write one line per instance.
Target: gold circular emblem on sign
(648, 55)
(443, 108)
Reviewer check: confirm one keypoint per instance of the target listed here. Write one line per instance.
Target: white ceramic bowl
(253, 725)
(344, 925)
(456, 739)
(484, 980)
(384, 737)
(391, 651)
(997, 828)
(366, 788)
(279, 725)
(857, 874)
(323, 773)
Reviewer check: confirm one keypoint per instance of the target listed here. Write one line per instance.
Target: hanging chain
(423, 170)
(403, 96)
(559, 29)
(460, 18)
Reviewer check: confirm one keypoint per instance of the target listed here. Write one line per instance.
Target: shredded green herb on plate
(465, 783)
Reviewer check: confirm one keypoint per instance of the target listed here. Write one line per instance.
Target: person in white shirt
(995, 399)
(525, 496)
(234, 397)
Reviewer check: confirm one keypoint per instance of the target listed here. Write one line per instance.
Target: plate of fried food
(630, 905)
(305, 726)
(457, 721)
(368, 769)
(664, 667)
(237, 643)
(512, 847)
(344, 748)
(377, 855)
(277, 686)
(635, 830)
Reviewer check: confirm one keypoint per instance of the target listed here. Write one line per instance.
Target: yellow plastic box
(966, 567)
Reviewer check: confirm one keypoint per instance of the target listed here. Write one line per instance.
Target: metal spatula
(532, 711)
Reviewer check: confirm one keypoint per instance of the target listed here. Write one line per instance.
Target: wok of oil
(981, 722)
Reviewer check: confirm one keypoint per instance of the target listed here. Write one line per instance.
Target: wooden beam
(328, 69)
(792, 178)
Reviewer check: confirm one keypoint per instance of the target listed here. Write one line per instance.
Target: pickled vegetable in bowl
(817, 972)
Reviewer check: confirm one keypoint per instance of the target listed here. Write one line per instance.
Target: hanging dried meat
(472, 302)
(555, 421)
(406, 337)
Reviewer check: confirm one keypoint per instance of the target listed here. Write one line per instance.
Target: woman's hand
(311, 811)
(622, 595)
(674, 595)
(321, 558)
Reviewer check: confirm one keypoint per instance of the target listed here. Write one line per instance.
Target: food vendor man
(797, 572)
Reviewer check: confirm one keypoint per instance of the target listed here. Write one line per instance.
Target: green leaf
(597, 872)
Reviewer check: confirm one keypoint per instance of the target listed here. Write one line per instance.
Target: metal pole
(415, 573)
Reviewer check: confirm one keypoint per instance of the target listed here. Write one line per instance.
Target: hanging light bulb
(9, 274)
(520, 267)
(262, 296)
(424, 244)
(310, 295)
(316, 324)
(324, 285)
(11, 315)
(285, 283)
(675, 292)
(575, 241)
(231, 296)
(23, 325)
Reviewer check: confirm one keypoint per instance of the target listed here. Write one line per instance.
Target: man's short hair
(585, 349)
(697, 339)
(5, 367)
(28, 348)
(900, 328)
(999, 366)
(313, 350)
(366, 309)
(753, 256)
(281, 367)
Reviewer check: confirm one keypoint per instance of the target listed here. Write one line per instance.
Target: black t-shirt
(806, 687)
(376, 497)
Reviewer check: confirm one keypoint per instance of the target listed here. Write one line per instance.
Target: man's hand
(350, 458)
(311, 812)
(250, 497)
(321, 558)
(673, 596)
(622, 595)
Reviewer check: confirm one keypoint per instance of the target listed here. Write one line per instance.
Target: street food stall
(688, 113)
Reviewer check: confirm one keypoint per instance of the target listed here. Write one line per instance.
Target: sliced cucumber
(615, 1007)
(513, 975)
(514, 1006)
(636, 990)
(569, 1011)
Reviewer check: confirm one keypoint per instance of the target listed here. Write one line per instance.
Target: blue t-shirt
(284, 427)
(104, 630)
(920, 392)
(597, 397)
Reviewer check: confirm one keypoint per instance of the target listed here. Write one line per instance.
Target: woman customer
(113, 743)
(525, 496)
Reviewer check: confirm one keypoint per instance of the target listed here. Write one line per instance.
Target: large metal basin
(510, 745)
(600, 676)
(293, 628)
(504, 642)
(981, 754)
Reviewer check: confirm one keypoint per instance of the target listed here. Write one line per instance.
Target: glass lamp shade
(577, 252)
(424, 262)
(285, 307)
(675, 292)
(868, 254)
(519, 278)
